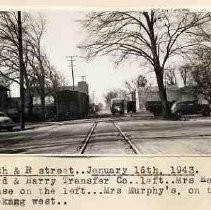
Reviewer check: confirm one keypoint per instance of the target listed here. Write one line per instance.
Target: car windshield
(118, 104)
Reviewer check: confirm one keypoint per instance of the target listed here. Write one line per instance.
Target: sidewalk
(34, 125)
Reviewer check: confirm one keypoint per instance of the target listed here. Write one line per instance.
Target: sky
(63, 34)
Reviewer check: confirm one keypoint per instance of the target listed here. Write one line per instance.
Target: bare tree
(170, 77)
(9, 51)
(9, 65)
(110, 95)
(12, 67)
(154, 35)
(186, 74)
(37, 58)
(201, 72)
(54, 81)
(5, 82)
(131, 85)
(39, 74)
(141, 81)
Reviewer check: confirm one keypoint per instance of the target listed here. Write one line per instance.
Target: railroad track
(127, 141)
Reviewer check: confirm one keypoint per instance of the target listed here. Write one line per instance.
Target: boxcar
(72, 104)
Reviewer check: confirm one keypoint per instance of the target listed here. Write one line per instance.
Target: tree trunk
(162, 93)
(42, 90)
(42, 99)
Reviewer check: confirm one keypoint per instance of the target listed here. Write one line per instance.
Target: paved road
(149, 136)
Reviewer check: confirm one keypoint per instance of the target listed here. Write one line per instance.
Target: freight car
(72, 105)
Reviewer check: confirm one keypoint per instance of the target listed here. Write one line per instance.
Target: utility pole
(93, 94)
(71, 63)
(22, 69)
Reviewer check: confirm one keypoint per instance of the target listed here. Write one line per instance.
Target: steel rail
(127, 139)
(85, 143)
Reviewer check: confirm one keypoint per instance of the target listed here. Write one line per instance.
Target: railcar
(72, 104)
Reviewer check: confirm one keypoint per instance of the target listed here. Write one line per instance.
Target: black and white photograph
(105, 82)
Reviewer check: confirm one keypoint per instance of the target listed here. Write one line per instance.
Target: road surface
(111, 135)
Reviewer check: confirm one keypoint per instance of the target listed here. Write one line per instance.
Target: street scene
(105, 82)
(127, 135)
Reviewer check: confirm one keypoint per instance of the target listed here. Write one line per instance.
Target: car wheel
(9, 129)
(178, 115)
(155, 113)
(206, 113)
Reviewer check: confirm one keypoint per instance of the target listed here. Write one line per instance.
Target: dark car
(6, 122)
(189, 108)
(155, 107)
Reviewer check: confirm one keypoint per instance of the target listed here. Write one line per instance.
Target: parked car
(190, 107)
(155, 107)
(6, 122)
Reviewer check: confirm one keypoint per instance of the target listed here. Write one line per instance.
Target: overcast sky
(63, 35)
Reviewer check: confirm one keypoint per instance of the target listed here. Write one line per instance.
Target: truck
(117, 106)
